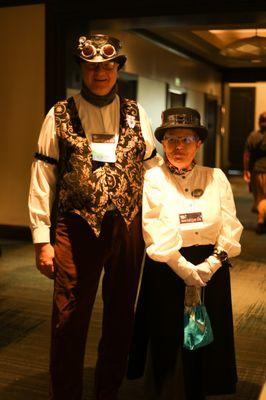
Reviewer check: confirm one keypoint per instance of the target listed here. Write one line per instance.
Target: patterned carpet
(25, 305)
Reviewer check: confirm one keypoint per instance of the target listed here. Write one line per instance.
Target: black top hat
(181, 117)
(99, 48)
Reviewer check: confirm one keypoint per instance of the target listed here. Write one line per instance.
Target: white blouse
(43, 175)
(188, 210)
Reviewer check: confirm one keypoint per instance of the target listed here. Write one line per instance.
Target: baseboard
(15, 232)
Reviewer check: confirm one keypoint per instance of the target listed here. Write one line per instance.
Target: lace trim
(182, 171)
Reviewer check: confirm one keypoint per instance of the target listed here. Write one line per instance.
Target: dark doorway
(175, 99)
(127, 85)
(241, 123)
(211, 117)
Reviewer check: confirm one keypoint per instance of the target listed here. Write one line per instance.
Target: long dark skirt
(157, 347)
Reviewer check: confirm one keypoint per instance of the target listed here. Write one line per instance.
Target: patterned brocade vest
(87, 187)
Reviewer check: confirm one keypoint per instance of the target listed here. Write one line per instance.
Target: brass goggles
(175, 140)
(88, 50)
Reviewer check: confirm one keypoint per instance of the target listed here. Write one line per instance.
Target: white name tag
(103, 147)
(190, 218)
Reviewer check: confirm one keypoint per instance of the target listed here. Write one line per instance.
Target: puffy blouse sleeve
(160, 228)
(231, 228)
(43, 181)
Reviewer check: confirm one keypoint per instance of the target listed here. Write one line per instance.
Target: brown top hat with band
(181, 117)
(99, 48)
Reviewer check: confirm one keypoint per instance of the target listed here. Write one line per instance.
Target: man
(255, 170)
(89, 169)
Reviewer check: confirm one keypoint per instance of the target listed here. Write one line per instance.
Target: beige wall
(151, 95)
(153, 62)
(21, 105)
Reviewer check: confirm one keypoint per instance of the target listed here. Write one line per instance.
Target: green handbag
(197, 325)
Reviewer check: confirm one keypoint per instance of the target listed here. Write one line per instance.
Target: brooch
(197, 192)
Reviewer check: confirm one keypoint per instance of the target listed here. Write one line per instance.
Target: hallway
(25, 305)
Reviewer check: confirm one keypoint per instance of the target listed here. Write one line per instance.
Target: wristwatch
(221, 255)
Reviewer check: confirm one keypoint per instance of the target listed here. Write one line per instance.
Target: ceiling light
(248, 49)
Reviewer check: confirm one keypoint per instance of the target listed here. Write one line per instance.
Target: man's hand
(44, 253)
(246, 176)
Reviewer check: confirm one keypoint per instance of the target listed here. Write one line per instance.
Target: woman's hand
(188, 272)
(204, 271)
(194, 279)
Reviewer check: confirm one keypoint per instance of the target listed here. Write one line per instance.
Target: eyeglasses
(174, 140)
(88, 50)
(107, 65)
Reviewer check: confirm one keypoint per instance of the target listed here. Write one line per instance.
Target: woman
(190, 229)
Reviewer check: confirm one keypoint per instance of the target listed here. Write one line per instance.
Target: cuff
(181, 267)
(41, 234)
(214, 263)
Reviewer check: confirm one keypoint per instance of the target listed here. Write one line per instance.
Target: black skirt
(158, 333)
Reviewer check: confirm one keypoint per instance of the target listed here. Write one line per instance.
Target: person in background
(86, 185)
(190, 230)
(254, 160)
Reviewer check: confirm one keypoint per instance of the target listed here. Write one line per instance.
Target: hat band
(183, 119)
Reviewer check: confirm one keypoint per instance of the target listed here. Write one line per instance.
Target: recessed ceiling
(205, 44)
(224, 37)
(201, 34)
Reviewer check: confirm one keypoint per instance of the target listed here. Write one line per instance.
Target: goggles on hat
(88, 50)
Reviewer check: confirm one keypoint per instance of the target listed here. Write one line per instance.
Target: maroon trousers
(79, 259)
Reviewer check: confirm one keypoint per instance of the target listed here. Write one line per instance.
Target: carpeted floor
(25, 305)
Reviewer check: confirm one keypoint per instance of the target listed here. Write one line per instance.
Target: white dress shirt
(169, 207)
(43, 175)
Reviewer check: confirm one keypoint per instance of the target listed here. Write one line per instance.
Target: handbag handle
(203, 295)
(192, 296)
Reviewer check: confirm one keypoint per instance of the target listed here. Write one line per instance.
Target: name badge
(190, 218)
(103, 147)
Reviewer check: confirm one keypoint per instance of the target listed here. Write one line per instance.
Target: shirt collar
(183, 171)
